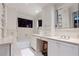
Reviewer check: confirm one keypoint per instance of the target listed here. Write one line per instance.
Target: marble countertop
(57, 38)
(7, 40)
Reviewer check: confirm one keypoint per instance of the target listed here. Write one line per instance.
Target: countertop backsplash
(72, 33)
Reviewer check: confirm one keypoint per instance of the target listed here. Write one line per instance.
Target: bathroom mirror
(67, 15)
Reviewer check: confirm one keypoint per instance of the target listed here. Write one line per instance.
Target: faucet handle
(67, 37)
(63, 36)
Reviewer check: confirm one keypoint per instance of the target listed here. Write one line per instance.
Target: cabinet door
(34, 43)
(53, 48)
(56, 48)
(68, 49)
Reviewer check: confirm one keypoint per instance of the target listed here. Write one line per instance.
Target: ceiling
(29, 8)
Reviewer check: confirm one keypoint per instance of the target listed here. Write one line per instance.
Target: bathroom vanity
(60, 28)
(58, 46)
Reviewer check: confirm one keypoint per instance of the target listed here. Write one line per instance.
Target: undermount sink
(64, 37)
(61, 36)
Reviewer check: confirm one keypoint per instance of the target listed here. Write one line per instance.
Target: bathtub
(25, 48)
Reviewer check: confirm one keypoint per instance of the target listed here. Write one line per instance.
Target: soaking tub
(25, 48)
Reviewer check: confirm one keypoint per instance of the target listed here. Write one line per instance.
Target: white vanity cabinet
(67, 49)
(57, 48)
(53, 48)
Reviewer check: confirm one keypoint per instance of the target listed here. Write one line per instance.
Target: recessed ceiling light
(37, 11)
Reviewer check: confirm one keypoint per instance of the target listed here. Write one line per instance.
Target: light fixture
(37, 11)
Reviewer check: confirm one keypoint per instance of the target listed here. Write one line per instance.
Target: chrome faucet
(65, 37)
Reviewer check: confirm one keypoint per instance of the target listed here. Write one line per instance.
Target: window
(25, 23)
(40, 23)
(76, 19)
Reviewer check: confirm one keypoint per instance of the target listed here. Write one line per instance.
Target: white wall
(14, 31)
(11, 16)
(9, 30)
(24, 33)
(11, 27)
(24, 15)
(72, 33)
(0, 22)
(47, 15)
